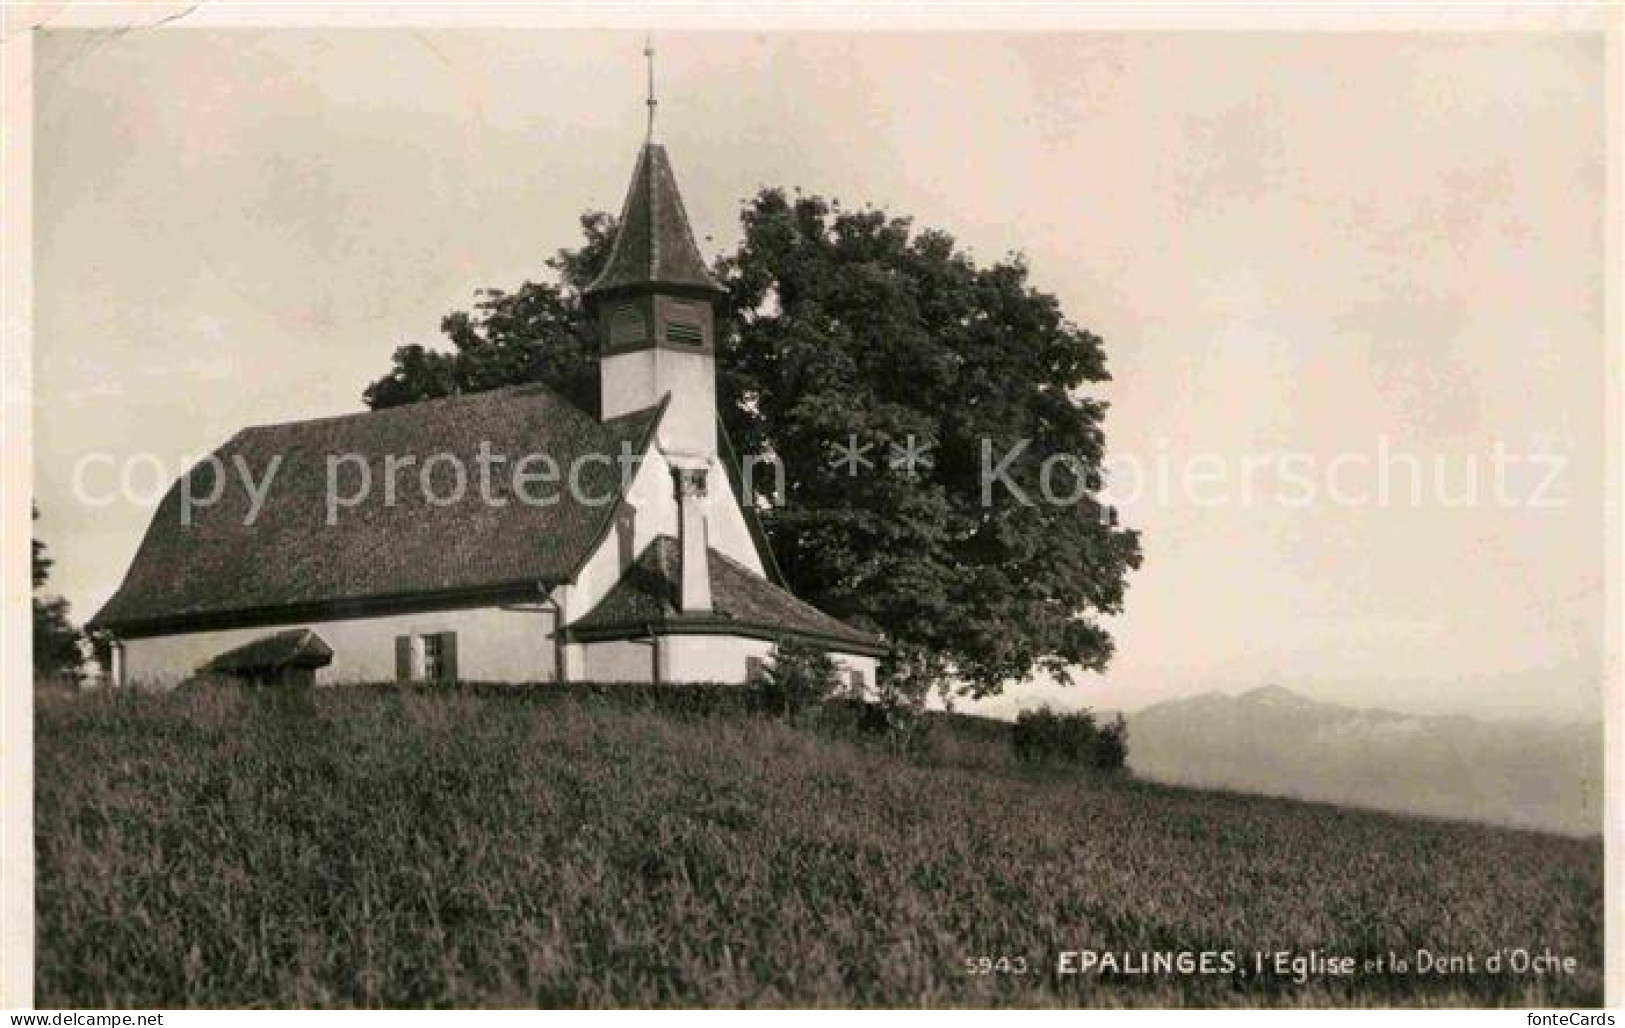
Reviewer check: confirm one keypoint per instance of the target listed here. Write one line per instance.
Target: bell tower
(655, 304)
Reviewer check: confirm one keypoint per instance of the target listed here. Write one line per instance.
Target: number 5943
(995, 965)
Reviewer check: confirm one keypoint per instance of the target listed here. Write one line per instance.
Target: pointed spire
(649, 56)
(654, 245)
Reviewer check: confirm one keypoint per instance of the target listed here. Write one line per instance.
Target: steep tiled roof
(745, 604)
(289, 556)
(654, 245)
(298, 647)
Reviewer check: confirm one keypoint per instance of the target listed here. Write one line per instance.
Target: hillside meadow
(369, 846)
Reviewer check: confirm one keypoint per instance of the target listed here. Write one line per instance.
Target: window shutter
(448, 656)
(403, 658)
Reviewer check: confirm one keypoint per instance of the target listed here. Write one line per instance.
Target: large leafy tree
(56, 641)
(854, 342)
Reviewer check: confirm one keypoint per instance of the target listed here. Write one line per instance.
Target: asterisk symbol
(911, 456)
(851, 456)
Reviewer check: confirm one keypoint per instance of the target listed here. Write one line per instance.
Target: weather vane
(649, 56)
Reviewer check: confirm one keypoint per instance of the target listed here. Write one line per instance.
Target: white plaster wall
(651, 494)
(722, 658)
(710, 658)
(493, 644)
(627, 382)
(639, 379)
(618, 661)
(856, 662)
(690, 424)
(634, 381)
(726, 530)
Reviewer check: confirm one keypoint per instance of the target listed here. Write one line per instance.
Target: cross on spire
(649, 57)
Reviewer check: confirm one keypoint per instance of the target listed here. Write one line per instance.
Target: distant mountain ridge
(1271, 740)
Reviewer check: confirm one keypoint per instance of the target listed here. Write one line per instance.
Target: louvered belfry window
(627, 326)
(685, 325)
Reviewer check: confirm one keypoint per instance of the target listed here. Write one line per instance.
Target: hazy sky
(1318, 244)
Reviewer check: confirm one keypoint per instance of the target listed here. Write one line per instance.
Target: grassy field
(375, 848)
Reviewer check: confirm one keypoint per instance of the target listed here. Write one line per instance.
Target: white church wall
(622, 660)
(493, 644)
(855, 662)
(726, 530)
(711, 658)
(690, 425)
(697, 658)
(628, 382)
(656, 514)
(726, 658)
(640, 379)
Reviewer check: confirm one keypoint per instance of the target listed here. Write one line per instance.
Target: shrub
(905, 680)
(799, 676)
(1076, 739)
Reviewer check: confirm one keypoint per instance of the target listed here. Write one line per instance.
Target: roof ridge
(632, 415)
(654, 209)
(688, 227)
(478, 395)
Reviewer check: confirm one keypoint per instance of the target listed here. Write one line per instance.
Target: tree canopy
(56, 641)
(854, 342)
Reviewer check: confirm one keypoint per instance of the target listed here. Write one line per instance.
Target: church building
(624, 552)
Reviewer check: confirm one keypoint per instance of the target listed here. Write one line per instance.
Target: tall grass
(374, 847)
